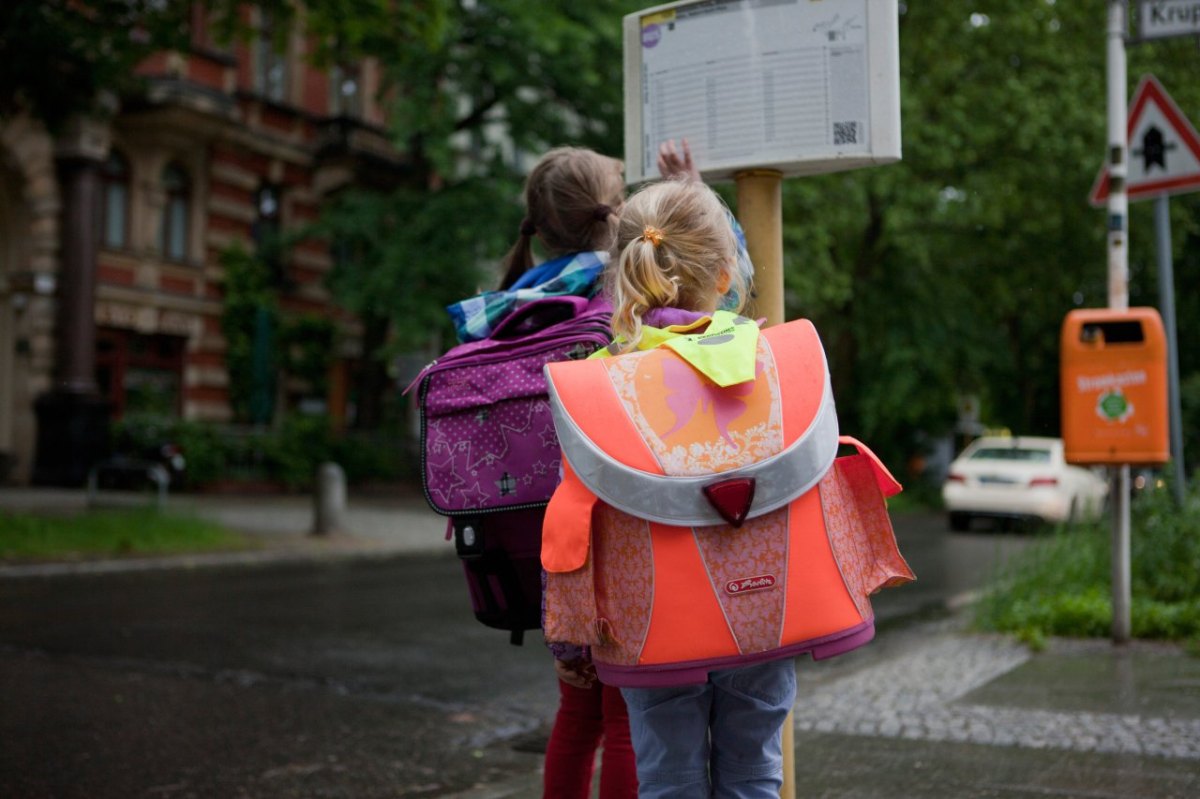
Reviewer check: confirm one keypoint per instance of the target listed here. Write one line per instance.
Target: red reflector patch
(731, 498)
(748, 584)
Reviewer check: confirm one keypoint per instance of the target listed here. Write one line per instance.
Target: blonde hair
(674, 245)
(571, 201)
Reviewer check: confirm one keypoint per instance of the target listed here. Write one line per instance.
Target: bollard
(329, 500)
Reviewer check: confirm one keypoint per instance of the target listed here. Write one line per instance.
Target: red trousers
(587, 716)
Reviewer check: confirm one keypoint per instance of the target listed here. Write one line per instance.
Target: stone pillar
(75, 320)
(72, 417)
(329, 501)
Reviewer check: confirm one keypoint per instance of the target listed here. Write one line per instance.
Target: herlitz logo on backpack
(747, 584)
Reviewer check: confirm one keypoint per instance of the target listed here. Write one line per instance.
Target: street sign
(1164, 148)
(794, 87)
(1159, 19)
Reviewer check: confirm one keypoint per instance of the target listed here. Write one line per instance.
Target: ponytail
(674, 247)
(639, 283)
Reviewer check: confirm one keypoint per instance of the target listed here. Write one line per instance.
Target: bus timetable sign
(1159, 19)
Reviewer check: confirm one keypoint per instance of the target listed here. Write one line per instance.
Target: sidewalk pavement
(927, 710)
(932, 710)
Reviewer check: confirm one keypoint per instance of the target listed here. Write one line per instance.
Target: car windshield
(1011, 454)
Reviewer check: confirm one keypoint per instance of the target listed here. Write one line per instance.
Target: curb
(303, 554)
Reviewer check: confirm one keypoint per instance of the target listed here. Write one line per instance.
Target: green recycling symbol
(1114, 406)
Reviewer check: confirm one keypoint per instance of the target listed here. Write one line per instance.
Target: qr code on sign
(845, 133)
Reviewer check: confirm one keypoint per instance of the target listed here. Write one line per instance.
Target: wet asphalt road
(348, 678)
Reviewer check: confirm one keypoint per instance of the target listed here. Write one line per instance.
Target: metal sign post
(1118, 295)
(1166, 305)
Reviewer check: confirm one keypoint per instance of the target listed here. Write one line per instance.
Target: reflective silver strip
(680, 500)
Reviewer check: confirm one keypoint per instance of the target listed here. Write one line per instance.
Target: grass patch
(1061, 585)
(113, 532)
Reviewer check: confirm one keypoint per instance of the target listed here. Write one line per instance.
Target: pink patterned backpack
(490, 459)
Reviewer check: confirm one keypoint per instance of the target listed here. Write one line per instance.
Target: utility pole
(1166, 304)
(1118, 294)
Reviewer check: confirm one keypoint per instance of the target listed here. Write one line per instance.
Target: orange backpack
(700, 527)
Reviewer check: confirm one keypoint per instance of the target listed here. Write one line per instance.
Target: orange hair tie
(652, 235)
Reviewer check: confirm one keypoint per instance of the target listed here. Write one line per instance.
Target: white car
(1020, 478)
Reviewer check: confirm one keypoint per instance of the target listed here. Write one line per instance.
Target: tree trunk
(846, 350)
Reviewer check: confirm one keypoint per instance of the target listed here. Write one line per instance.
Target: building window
(270, 63)
(345, 91)
(173, 232)
(140, 374)
(114, 202)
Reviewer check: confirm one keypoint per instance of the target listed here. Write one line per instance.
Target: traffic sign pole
(1166, 305)
(1118, 150)
(1118, 294)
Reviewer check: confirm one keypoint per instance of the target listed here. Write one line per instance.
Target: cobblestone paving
(916, 696)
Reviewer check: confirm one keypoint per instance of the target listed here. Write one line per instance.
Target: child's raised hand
(672, 163)
(579, 673)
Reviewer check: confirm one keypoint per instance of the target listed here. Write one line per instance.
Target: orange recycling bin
(1114, 387)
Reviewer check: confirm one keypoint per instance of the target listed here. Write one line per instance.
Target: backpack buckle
(731, 498)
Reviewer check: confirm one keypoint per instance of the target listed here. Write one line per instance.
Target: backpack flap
(567, 532)
(570, 613)
(651, 436)
(888, 485)
(487, 436)
(858, 526)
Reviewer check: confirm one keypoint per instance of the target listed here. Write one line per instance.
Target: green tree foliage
(487, 74)
(63, 57)
(949, 273)
(472, 87)
(306, 347)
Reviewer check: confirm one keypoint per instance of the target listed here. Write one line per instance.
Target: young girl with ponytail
(571, 199)
(676, 261)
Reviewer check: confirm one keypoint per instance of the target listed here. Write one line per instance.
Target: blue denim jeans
(721, 739)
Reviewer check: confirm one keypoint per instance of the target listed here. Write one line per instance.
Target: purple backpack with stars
(489, 455)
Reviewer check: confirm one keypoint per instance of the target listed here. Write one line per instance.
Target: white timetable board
(801, 86)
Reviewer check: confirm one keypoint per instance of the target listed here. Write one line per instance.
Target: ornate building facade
(112, 235)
